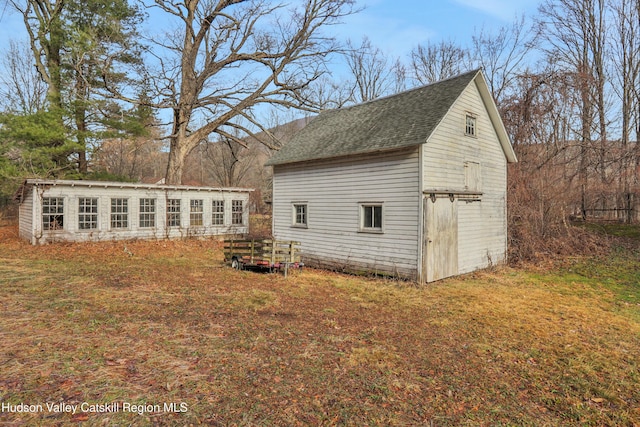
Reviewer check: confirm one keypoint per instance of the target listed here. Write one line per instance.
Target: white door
(440, 240)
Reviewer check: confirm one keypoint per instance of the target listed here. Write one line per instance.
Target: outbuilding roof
(402, 120)
(37, 182)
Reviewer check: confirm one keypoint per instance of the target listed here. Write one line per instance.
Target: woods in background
(89, 94)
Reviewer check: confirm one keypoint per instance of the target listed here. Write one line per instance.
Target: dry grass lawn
(170, 324)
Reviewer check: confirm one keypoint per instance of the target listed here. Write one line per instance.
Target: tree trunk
(177, 155)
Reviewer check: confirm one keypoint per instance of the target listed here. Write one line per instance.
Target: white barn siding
(26, 215)
(482, 239)
(31, 217)
(333, 191)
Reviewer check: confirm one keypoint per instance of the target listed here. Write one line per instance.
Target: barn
(411, 185)
(69, 210)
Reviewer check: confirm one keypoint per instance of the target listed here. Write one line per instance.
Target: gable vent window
(470, 125)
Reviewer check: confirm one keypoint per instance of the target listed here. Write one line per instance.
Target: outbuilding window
(218, 212)
(371, 218)
(147, 213)
(173, 212)
(237, 212)
(300, 215)
(87, 213)
(119, 213)
(52, 213)
(470, 125)
(196, 214)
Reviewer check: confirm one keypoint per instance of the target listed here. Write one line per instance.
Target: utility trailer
(267, 254)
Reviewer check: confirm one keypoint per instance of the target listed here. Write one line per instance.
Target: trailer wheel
(236, 264)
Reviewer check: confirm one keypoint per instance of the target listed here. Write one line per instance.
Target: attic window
(470, 125)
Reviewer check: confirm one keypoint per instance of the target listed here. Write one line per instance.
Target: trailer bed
(268, 254)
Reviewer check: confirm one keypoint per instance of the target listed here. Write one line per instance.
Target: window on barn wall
(371, 217)
(87, 213)
(52, 213)
(119, 213)
(147, 213)
(173, 213)
(218, 212)
(237, 212)
(470, 125)
(300, 215)
(196, 212)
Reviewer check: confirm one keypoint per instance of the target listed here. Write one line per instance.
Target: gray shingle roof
(396, 121)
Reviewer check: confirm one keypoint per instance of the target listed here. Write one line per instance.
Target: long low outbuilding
(70, 210)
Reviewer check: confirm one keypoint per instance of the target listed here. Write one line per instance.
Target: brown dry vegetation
(170, 323)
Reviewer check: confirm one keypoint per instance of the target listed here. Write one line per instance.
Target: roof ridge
(404, 92)
(391, 122)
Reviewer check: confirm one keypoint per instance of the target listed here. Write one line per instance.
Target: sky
(395, 26)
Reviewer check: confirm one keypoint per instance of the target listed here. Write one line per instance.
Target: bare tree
(131, 158)
(21, 89)
(44, 24)
(373, 73)
(503, 54)
(433, 62)
(575, 32)
(626, 66)
(229, 57)
(327, 93)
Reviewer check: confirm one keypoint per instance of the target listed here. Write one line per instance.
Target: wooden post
(252, 250)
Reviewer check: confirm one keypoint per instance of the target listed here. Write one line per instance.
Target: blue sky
(395, 26)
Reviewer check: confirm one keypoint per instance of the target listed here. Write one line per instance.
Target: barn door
(440, 239)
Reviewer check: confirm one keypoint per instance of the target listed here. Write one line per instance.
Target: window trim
(304, 215)
(473, 127)
(362, 228)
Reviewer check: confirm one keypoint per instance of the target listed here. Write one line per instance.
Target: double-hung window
(173, 212)
(87, 213)
(237, 212)
(196, 213)
(119, 213)
(52, 213)
(147, 213)
(217, 217)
